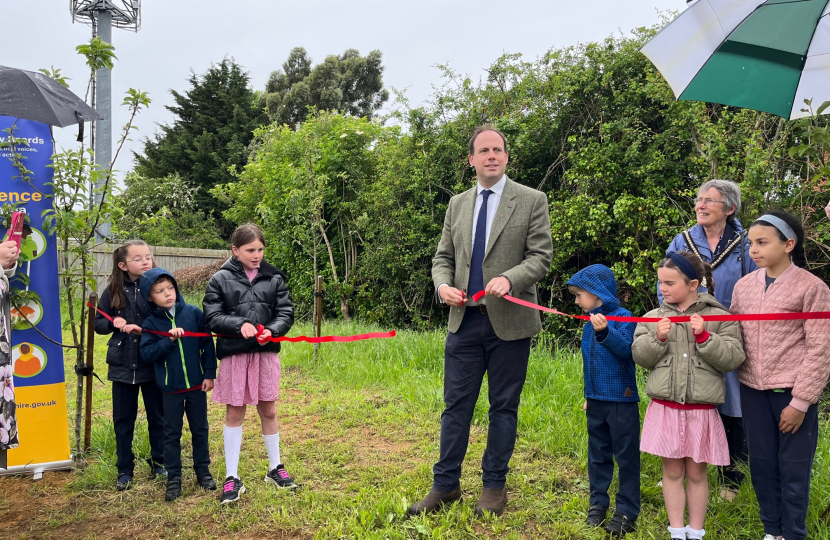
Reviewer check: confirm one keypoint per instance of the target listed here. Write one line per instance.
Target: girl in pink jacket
(786, 369)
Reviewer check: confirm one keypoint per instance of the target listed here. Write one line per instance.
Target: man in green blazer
(496, 238)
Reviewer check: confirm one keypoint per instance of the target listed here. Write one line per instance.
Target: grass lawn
(360, 434)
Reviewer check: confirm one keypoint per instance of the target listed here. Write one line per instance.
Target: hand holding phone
(15, 231)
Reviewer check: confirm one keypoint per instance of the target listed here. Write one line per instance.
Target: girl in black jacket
(246, 293)
(123, 302)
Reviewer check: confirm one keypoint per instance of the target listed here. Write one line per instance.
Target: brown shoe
(433, 501)
(492, 500)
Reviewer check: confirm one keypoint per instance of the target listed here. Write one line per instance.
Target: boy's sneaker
(157, 469)
(596, 516)
(280, 478)
(124, 482)
(207, 482)
(620, 525)
(232, 489)
(174, 489)
(771, 537)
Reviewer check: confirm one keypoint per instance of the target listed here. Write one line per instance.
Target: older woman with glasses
(719, 240)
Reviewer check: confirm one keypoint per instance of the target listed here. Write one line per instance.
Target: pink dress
(676, 433)
(248, 378)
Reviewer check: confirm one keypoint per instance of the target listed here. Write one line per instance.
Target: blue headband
(683, 265)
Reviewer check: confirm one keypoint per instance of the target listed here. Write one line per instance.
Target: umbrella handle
(80, 118)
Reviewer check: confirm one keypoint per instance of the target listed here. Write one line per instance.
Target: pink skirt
(247, 379)
(676, 433)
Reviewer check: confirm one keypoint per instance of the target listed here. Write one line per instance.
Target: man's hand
(663, 329)
(207, 385)
(8, 253)
(452, 296)
(697, 323)
(263, 337)
(498, 287)
(248, 330)
(600, 323)
(176, 333)
(791, 420)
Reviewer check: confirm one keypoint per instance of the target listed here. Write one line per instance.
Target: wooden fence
(169, 258)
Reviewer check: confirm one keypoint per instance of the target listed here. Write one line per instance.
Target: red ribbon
(680, 319)
(261, 329)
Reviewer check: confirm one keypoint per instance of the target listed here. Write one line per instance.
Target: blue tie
(479, 247)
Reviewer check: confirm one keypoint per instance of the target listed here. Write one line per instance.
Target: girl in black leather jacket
(248, 297)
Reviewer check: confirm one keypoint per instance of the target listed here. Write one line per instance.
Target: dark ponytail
(703, 269)
(118, 299)
(797, 255)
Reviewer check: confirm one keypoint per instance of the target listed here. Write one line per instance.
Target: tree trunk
(344, 303)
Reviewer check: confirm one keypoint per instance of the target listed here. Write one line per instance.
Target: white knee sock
(272, 446)
(693, 534)
(233, 446)
(678, 533)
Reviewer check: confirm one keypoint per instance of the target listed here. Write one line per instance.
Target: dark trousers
(470, 352)
(124, 414)
(780, 463)
(194, 405)
(614, 433)
(732, 476)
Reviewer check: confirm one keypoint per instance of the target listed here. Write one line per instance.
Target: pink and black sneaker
(280, 478)
(232, 489)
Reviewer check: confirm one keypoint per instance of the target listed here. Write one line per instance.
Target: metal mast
(102, 15)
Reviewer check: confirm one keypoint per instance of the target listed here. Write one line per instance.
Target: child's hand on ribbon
(119, 322)
(130, 328)
(663, 328)
(599, 321)
(697, 323)
(262, 335)
(248, 330)
(176, 333)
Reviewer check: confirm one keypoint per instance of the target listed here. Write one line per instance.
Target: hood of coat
(704, 301)
(598, 280)
(146, 282)
(266, 270)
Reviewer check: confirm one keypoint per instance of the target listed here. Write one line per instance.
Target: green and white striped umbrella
(766, 55)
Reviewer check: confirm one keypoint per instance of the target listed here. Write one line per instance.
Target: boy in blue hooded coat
(612, 409)
(185, 368)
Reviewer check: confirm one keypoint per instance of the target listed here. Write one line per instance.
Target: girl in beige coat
(685, 385)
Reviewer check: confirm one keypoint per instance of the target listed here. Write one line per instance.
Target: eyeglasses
(139, 260)
(707, 202)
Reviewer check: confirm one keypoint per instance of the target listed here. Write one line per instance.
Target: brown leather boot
(492, 500)
(434, 500)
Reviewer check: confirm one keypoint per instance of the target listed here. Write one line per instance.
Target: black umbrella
(34, 96)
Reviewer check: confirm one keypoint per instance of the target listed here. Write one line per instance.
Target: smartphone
(15, 232)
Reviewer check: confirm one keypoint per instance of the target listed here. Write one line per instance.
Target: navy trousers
(732, 476)
(614, 433)
(124, 414)
(469, 353)
(780, 463)
(176, 406)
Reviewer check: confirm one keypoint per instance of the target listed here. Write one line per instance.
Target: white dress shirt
(492, 206)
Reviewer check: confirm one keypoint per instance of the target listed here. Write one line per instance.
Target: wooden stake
(319, 303)
(90, 346)
(318, 314)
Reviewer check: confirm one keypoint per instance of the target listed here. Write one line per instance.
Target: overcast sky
(178, 36)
